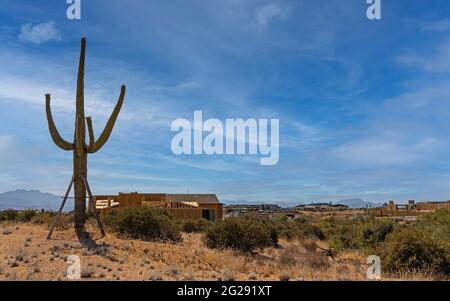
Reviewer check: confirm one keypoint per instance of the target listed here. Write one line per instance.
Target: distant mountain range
(29, 199)
(35, 199)
(244, 202)
(351, 203)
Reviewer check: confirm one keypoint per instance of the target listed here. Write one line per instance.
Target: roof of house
(200, 198)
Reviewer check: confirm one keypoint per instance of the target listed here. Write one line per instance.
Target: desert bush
(300, 228)
(65, 221)
(198, 225)
(244, 234)
(144, 223)
(9, 215)
(436, 224)
(87, 273)
(26, 215)
(374, 232)
(36, 217)
(316, 261)
(364, 234)
(411, 251)
(289, 256)
(344, 238)
(285, 277)
(43, 219)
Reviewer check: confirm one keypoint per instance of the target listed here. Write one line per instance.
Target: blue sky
(363, 105)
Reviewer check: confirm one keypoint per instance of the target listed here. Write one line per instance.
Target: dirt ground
(26, 254)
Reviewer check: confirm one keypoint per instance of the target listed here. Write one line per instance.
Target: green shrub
(436, 224)
(365, 233)
(17, 216)
(409, 251)
(9, 215)
(244, 234)
(195, 225)
(345, 238)
(300, 228)
(26, 215)
(375, 232)
(144, 223)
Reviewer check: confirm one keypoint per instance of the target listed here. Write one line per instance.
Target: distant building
(193, 206)
(263, 210)
(410, 209)
(321, 207)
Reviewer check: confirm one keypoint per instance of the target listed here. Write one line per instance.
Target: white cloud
(439, 61)
(438, 26)
(269, 12)
(385, 151)
(5, 142)
(39, 33)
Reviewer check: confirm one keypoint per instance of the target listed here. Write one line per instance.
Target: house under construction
(193, 206)
(412, 208)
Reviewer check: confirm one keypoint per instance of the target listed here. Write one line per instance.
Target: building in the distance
(412, 208)
(321, 207)
(194, 206)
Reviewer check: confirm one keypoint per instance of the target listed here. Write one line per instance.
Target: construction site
(192, 206)
(411, 209)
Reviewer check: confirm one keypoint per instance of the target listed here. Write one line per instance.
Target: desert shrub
(365, 233)
(43, 218)
(198, 225)
(436, 224)
(241, 233)
(23, 216)
(26, 215)
(345, 238)
(144, 223)
(409, 250)
(9, 215)
(65, 221)
(289, 256)
(316, 261)
(312, 231)
(300, 228)
(375, 232)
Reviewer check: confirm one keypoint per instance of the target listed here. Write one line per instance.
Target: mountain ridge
(21, 199)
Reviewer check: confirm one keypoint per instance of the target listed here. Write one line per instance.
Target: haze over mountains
(29, 199)
(351, 203)
(35, 199)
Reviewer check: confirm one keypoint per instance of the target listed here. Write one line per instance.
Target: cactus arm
(110, 124)
(91, 135)
(59, 141)
(79, 137)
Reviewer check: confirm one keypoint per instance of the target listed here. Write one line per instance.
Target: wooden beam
(55, 221)
(94, 209)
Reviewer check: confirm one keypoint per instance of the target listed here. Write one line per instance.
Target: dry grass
(122, 259)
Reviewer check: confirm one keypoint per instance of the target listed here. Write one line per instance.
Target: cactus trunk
(80, 172)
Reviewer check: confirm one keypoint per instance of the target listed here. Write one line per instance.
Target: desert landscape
(27, 254)
(224, 141)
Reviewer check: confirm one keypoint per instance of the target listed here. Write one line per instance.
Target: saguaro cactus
(79, 147)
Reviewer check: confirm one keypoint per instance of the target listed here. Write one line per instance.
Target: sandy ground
(26, 254)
